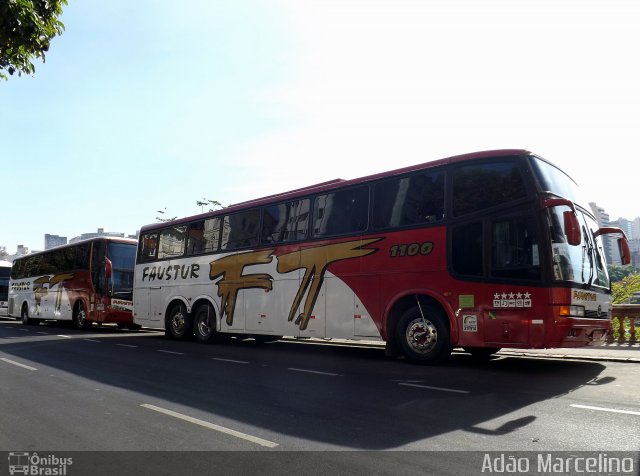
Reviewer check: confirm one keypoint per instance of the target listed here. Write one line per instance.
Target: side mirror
(572, 228)
(625, 252)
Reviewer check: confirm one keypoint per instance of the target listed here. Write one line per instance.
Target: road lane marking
(18, 364)
(92, 340)
(23, 330)
(211, 426)
(170, 352)
(428, 387)
(230, 360)
(331, 374)
(602, 409)
(41, 332)
(127, 345)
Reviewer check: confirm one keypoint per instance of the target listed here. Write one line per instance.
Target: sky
(150, 106)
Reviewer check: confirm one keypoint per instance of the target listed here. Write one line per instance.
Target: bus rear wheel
(205, 323)
(423, 334)
(80, 320)
(179, 324)
(24, 316)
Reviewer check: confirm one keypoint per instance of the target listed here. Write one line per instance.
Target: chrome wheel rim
(421, 335)
(177, 323)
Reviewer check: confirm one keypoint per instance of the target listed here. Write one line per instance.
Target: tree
(625, 288)
(26, 30)
(618, 273)
(162, 218)
(205, 202)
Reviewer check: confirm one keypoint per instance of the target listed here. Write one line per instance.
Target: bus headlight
(572, 311)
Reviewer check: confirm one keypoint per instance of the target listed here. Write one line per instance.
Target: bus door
(514, 260)
(98, 299)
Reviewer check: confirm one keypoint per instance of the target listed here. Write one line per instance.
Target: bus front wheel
(179, 324)
(205, 323)
(423, 334)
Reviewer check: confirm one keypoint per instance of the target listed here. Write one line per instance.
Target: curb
(555, 355)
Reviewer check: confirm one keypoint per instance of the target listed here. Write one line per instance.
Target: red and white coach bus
(480, 251)
(84, 282)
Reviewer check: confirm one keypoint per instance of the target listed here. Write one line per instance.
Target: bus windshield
(583, 263)
(122, 258)
(554, 180)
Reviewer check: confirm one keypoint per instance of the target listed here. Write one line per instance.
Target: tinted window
(204, 236)
(466, 249)
(341, 212)
(514, 249)
(172, 242)
(240, 229)
(122, 255)
(149, 246)
(406, 201)
(480, 186)
(285, 222)
(32, 266)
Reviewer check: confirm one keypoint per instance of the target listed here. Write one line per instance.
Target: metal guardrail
(625, 323)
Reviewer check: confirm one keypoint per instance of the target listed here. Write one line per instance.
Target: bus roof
(115, 239)
(336, 183)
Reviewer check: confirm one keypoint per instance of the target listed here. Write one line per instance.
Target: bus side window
(341, 212)
(241, 229)
(466, 249)
(195, 239)
(172, 242)
(480, 186)
(285, 222)
(149, 247)
(514, 248)
(406, 201)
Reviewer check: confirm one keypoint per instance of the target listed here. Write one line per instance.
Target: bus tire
(80, 320)
(24, 316)
(204, 320)
(179, 325)
(423, 339)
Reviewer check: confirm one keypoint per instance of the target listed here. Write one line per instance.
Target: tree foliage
(205, 202)
(625, 288)
(618, 273)
(26, 30)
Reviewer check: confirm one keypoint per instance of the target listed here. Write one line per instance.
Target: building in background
(631, 229)
(101, 232)
(51, 241)
(608, 241)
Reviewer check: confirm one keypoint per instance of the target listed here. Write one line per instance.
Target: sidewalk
(609, 352)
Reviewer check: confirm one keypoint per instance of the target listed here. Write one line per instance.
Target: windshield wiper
(589, 250)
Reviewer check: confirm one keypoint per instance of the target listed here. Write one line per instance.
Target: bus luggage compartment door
(505, 327)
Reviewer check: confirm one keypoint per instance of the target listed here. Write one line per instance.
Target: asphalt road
(295, 406)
